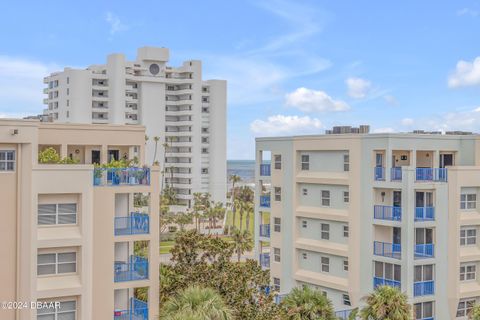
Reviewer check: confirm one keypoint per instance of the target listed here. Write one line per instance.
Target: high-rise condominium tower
(184, 116)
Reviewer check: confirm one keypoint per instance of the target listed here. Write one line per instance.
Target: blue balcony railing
(136, 223)
(265, 201)
(135, 269)
(265, 170)
(396, 174)
(343, 314)
(379, 173)
(138, 311)
(265, 230)
(387, 213)
(423, 288)
(424, 213)
(265, 260)
(385, 282)
(121, 176)
(426, 250)
(385, 249)
(431, 174)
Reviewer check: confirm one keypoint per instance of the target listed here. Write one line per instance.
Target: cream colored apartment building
(174, 104)
(345, 213)
(71, 234)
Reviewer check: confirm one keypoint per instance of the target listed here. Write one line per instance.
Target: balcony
(426, 250)
(343, 314)
(379, 173)
(265, 230)
(423, 288)
(385, 282)
(135, 269)
(424, 214)
(121, 176)
(279, 298)
(265, 260)
(265, 170)
(265, 201)
(136, 223)
(385, 249)
(396, 174)
(431, 174)
(138, 311)
(387, 213)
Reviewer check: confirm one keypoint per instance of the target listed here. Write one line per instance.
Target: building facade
(185, 112)
(82, 242)
(345, 213)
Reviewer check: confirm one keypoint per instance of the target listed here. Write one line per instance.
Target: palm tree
(245, 197)
(474, 313)
(243, 242)
(386, 303)
(234, 179)
(305, 303)
(196, 303)
(249, 210)
(156, 139)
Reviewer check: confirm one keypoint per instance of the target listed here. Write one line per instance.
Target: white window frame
(346, 231)
(422, 310)
(346, 196)
(305, 162)
(325, 264)
(277, 224)
(57, 263)
(56, 312)
(345, 264)
(277, 162)
(467, 239)
(464, 307)
(276, 284)
(325, 198)
(346, 300)
(346, 162)
(57, 214)
(468, 201)
(468, 272)
(325, 231)
(277, 193)
(276, 255)
(5, 161)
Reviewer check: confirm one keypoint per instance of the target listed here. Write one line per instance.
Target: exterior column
(63, 151)
(104, 154)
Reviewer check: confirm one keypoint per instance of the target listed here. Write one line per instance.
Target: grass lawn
(237, 221)
(166, 246)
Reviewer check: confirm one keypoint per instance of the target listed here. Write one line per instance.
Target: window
(346, 162)
(204, 130)
(325, 198)
(66, 311)
(423, 273)
(464, 307)
(277, 224)
(68, 80)
(346, 231)
(68, 91)
(276, 254)
(68, 114)
(204, 150)
(278, 194)
(468, 201)
(304, 256)
(204, 139)
(304, 223)
(276, 284)
(325, 262)
(62, 213)
(7, 160)
(305, 162)
(204, 109)
(325, 231)
(346, 196)
(68, 103)
(468, 272)
(305, 191)
(345, 265)
(204, 170)
(277, 161)
(56, 263)
(346, 299)
(423, 310)
(387, 271)
(468, 236)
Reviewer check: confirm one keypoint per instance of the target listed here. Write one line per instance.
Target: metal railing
(426, 250)
(396, 174)
(385, 282)
(431, 174)
(385, 249)
(379, 173)
(135, 269)
(265, 230)
(423, 288)
(279, 298)
(265, 201)
(135, 223)
(387, 213)
(265, 170)
(424, 213)
(121, 176)
(265, 260)
(138, 310)
(343, 314)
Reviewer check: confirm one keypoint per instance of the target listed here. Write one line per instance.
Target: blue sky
(293, 67)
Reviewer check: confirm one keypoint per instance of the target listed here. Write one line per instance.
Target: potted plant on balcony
(97, 175)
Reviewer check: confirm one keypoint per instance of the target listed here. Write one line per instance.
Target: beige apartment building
(347, 212)
(75, 235)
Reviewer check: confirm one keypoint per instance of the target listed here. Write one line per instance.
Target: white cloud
(468, 120)
(384, 130)
(358, 88)
(467, 12)
(407, 121)
(308, 100)
(115, 24)
(391, 100)
(22, 85)
(281, 124)
(466, 74)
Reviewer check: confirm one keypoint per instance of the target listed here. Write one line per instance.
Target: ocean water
(243, 168)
